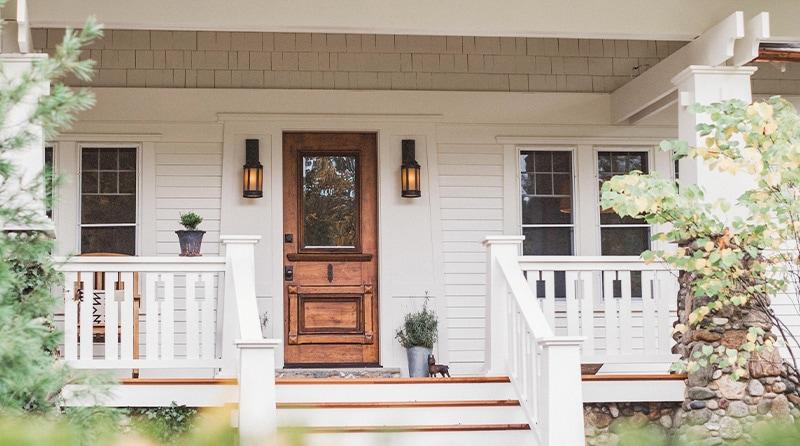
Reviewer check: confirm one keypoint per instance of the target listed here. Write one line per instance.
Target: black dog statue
(434, 368)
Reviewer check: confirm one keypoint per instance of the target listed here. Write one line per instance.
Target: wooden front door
(330, 249)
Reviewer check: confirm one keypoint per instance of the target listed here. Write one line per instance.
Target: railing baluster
(168, 317)
(586, 283)
(111, 339)
(611, 321)
(127, 324)
(549, 298)
(192, 324)
(70, 317)
(572, 303)
(208, 316)
(151, 321)
(650, 322)
(625, 314)
(86, 319)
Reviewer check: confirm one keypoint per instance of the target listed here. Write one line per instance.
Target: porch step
(403, 411)
(342, 373)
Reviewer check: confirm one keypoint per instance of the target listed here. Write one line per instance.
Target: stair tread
(454, 380)
(397, 404)
(413, 428)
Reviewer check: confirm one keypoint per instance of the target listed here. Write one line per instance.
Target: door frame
(373, 288)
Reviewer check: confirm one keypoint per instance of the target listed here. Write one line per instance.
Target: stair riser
(393, 392)
(479, 438)
(401, 416)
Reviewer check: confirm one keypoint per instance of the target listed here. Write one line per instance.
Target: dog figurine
(434, 368)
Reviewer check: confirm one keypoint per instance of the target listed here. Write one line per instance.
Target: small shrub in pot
(419, 333)
(190, 238)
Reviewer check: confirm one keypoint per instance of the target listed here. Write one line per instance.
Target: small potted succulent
(419, 332)
(190, 238)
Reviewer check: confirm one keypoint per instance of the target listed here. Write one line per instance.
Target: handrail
(523, 295)
(140, 264)
(589, 263)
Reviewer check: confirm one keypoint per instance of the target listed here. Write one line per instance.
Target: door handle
(288, 273)
(330, 272)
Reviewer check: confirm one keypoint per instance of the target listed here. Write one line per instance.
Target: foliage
(735, 259)
(420, 329)
(190, 221)
(31, 379)
(165, 424)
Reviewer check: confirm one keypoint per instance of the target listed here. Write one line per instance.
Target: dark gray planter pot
(190, 242)
(418, 361)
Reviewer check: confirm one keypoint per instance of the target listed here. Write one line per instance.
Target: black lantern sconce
(253, 173)
(409, 171)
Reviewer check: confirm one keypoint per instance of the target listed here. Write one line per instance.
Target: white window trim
(651, 167)
(79, 188)
(575, 193)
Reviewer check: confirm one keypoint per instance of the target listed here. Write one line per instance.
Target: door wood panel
(330, 235)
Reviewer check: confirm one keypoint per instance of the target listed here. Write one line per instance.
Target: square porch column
(706, 85)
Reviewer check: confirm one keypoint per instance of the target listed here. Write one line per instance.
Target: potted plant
(419, 332)
(190, 238)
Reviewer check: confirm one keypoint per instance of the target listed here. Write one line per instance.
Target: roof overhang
(616, 19)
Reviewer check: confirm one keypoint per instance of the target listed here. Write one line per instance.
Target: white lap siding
(471, 194)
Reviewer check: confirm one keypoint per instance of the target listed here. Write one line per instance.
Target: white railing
(544, 369)
(622, 307)
(106, 298)
(178, 297)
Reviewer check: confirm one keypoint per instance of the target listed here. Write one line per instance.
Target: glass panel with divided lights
(330, 206)
(546, 191)
(108, 200)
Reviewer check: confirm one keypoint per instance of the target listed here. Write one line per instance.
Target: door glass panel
(329, 201)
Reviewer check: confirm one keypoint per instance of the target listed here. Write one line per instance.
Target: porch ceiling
(622, 19)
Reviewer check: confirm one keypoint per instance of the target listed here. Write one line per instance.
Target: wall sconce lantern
(409, 171)
(253, 173)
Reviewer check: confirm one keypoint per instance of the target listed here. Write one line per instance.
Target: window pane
(127, 159)
(127, 182)
(120, 240)
(562, 161)
(544, 184)
(108, 159)
(330, 201)
(89, 159)
(99, 209)
(48, 181)
(624, 241)
(108, 183)
(544, 161)
(547, 241)
(546, 211)
(526, 162)
(89, 183)
(610, 164)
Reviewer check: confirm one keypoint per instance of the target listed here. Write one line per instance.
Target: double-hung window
(548, 222)
(108, 200)
(621, 235)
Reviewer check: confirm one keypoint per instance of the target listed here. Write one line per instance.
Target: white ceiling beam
(713, 47)
(616, 19)
(756, 30)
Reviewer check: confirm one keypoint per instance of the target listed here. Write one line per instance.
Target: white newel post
(561, 407)
(497, 300)
(706, 85)
(239, 307)
(257, 395)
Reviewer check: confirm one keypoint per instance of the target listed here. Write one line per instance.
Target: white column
(497, 301)
(561, 408)
(27, 189)
(239, 307)
(257, 396)
(705, 85)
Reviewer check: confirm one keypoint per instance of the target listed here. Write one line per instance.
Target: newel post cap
(239, 239)
(258, 343)
(503, 240)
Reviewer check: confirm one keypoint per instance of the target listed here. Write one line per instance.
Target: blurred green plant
(165, 424)
(420, 329)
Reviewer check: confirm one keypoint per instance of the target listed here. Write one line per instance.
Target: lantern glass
(409, 179)
(253, 177)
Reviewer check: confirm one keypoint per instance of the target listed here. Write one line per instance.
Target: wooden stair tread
(397, 404)
(454, 380)
(178, 381)
(411, 428)
(638, 377)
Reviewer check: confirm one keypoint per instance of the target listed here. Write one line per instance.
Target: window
(618, 235)
(330, 202)
(49, 167)
(547, 205)
(108, 200)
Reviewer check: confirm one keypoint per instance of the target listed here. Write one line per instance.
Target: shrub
(420, 329)
(191, 221)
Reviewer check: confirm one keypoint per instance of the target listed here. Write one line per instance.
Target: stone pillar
(718, 409)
